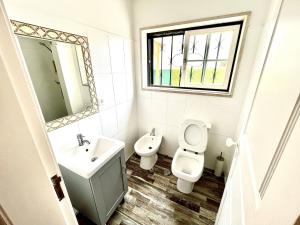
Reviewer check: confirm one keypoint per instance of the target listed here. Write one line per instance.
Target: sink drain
(94, 159)
(150, 147)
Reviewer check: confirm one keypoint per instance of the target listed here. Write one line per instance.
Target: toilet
(188, 161)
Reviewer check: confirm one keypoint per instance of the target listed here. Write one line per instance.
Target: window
(196, 57)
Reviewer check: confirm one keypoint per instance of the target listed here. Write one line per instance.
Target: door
(263, 184)
(26, 161)
(109, 186)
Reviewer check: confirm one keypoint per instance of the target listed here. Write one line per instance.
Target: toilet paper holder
(230, 142)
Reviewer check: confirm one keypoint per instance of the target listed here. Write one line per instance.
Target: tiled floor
(153, 198)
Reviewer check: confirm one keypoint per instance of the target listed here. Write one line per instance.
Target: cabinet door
(81, 195)
(109, 186)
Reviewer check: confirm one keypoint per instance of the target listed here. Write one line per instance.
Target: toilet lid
(193, 136)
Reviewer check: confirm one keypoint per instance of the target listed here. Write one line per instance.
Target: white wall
(113, 16)
(109, 33)
(165, 111)
(109, 36)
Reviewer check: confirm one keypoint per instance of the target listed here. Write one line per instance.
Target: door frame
(256, 74)
(28, 103)
(4, 219)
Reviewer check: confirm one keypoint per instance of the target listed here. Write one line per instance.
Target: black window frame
(151, 36)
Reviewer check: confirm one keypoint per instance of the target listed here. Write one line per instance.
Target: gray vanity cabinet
(99, 196)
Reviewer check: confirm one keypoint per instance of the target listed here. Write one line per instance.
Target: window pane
(175, 76)
(193, 72)
(197, 47)
(166, 59)
(209, 58)
(225, 45)
(156, 60)
(213, 45)
(177, 53)
(220, 72)
(177, 60)
(209, 72)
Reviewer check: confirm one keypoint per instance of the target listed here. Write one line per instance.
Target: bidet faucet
(81, 141)
(152, 132)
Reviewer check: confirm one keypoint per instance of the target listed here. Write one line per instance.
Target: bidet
(147, 147)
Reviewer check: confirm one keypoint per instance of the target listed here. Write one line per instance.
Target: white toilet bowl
(188, 161)
(147, 147)
(188, 167)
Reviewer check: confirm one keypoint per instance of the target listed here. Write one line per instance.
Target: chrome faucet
(81, 141)
(152, 132)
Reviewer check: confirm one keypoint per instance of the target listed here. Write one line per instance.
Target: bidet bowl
(146, 147)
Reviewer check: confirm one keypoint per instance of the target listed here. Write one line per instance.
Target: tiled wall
(166, 111)
(112, 64)
(112, 61)
(110, 42)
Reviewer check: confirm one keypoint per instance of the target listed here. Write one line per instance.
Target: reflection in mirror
(58, 75)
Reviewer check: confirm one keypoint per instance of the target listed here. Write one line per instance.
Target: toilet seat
(188, 161)
(187, 165)
(193, 136)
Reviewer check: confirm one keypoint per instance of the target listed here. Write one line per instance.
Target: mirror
(60, 70)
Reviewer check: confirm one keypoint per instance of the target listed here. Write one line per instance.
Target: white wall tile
(116, 50)
(120, 87)
(130, 86)
(170, 140)
(109, 122)
(129, 68)
(158, 111)
(128, 56)
(129, 150)
(223, 118)
(175, 110)
(90, 127)
(144, 115)
(216, 145)
(123, 115)
(105, 91)
(160, 128)
(99, 48)
(65, 137)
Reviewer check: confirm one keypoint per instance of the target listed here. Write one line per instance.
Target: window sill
(189, 91)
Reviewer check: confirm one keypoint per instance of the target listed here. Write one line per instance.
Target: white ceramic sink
(88, 159)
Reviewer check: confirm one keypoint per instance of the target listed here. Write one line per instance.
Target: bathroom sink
(88, 159)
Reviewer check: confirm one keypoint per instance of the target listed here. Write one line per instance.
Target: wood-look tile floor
(153, 198)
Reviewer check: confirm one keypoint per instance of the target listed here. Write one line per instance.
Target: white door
(26, 160)
(264, 181)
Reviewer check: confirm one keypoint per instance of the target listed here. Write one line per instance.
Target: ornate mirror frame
(39, 32)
